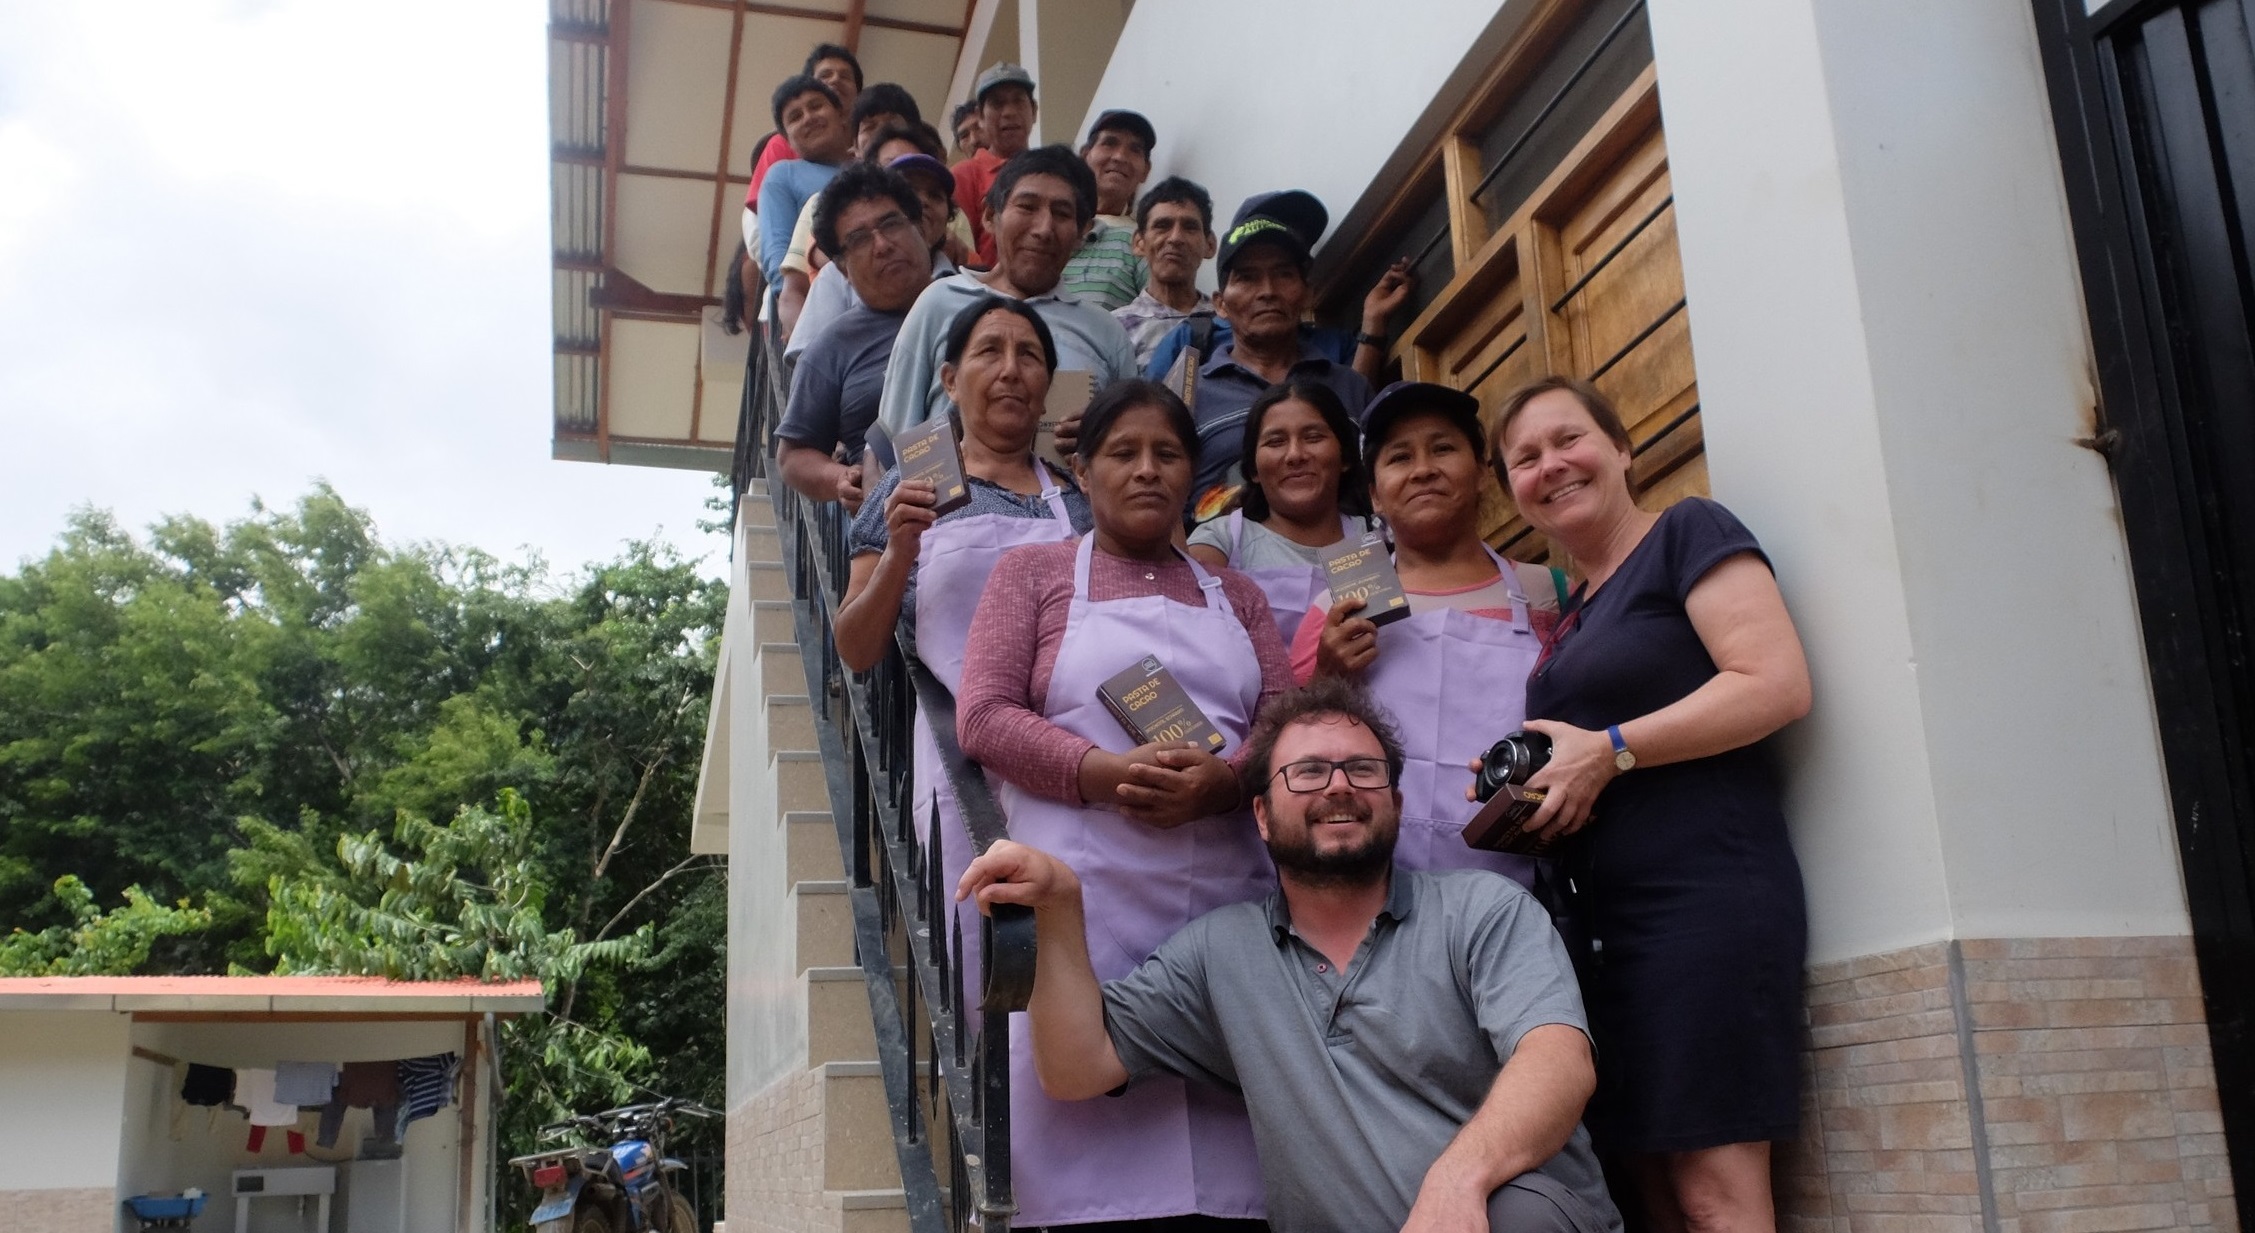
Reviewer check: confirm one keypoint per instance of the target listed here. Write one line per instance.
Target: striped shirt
(1148, 320)
(1105, 271)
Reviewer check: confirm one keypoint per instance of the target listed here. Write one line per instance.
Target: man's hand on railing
(1011, 872)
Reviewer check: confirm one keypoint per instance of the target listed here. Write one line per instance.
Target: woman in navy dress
(1673, 663)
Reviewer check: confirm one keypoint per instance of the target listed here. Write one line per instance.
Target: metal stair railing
(902, 907)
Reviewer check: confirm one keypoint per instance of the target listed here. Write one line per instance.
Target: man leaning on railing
(1411, 1045)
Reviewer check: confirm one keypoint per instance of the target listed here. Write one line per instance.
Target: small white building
(91, 1113)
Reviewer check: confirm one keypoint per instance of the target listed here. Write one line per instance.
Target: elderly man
(1040, 203)
(1005, 95)
(1174, 235)
(869, 220)
(1410, 1045)
(912, 153)
(1107, 270)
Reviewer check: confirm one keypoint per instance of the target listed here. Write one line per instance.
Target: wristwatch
(1622, 759)
(1367, 339)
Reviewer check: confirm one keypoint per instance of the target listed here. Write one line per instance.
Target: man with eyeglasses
(1411, 1045)
(869, 221)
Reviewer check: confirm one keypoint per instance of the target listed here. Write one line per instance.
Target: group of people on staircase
(1275, 983)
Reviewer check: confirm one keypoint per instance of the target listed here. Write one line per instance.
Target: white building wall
(62, 1085)
(1893, 369)
(1311, 94)
(766, 1004)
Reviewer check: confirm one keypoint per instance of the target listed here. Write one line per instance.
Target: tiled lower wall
(775, 1159)
(2038, 1085)
(88, 1210)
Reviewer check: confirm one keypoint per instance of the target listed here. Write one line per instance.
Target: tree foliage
(348, 756)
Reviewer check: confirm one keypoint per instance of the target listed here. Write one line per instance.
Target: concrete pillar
(1894, 370)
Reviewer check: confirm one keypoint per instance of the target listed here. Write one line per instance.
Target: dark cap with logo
(1292, 218)
(1403, 399)
(1003, 73)
(1132, 123)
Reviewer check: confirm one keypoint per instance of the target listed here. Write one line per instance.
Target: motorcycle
(618, 1179)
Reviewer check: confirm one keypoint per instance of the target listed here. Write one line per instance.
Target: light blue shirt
(790, 184)
(1088, 339)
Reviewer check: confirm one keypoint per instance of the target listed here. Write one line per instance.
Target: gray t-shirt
(1357, 1083)
(1258, 547)
(836, 387)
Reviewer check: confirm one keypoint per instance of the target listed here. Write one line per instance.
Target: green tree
(206, 709)
(96, 943)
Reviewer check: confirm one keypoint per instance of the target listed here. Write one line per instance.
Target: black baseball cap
(1403, 399)
(1130, 122)
(1291, 217)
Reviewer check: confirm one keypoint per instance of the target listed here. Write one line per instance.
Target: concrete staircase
(811, 1149)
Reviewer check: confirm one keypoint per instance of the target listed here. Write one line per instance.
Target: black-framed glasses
(893, 227)
(1314, 774)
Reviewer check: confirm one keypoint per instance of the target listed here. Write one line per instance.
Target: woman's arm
(871, 608)
(1761, 684)
(997, 716)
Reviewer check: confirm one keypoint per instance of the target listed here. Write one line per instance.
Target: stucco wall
(62, 1084)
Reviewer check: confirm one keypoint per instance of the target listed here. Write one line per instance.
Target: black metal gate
(2154, 102)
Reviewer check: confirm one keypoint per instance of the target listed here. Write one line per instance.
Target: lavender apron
(1163, 1147)
(952, 564)
(1291, 590)
(1454, 683)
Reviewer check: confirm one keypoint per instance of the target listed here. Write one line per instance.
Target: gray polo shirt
(1087, 339)
(1357, 1083)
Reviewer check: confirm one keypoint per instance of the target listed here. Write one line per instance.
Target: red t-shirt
(973, 177)
(775, 152)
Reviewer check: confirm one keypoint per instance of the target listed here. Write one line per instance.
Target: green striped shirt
(1105, 271)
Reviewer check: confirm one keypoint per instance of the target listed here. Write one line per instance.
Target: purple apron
(1455, 683)
(1163, 1147)
(952, 564)
(1291, 590)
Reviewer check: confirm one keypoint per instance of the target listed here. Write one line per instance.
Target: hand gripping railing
(902, 905)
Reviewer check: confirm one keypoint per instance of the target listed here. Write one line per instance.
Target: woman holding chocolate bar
(1305, 492)
(1675, 663)
(1453, 672)
(930, 568)
(1158, 832)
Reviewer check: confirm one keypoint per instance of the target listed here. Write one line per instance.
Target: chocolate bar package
(1500, 825)
(929, 452)
(1359, 566)
(1151, 705)
(1070, 391)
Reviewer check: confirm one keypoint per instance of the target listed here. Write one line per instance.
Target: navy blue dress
(1685, 917)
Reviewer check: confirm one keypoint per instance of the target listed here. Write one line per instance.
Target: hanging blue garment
(426, 1085)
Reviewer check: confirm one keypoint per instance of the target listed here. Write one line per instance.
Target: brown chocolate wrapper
(1360, 567)
(1151, 706)
(928, 452)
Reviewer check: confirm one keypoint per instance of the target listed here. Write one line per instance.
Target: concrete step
(870, 1211)
(799, 783)
(760, 544)
(857, 1130)
(768, 579)
(771, 622)
(790, 723)
(825, 925)
(838, 1026)
(811, 848)
(781, 670)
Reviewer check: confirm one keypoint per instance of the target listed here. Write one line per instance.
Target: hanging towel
(304, 1083)
(367, 1085)
(207, 1085)
(254, 1091)
(426, 1085)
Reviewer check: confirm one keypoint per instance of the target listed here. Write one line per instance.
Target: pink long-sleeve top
(1013, 647)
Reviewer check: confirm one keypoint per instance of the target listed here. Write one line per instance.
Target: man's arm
(1530, 1112)
(1391, 291)
(1073, 1054)
(911, 373)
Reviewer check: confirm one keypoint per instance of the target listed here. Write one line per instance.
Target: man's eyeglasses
(894, 227)
(1314, 774)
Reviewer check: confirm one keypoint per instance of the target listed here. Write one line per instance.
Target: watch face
(1624, 760)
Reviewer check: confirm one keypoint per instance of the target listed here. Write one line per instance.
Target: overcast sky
(246, 244)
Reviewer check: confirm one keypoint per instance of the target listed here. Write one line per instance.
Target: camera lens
(1512, 760)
